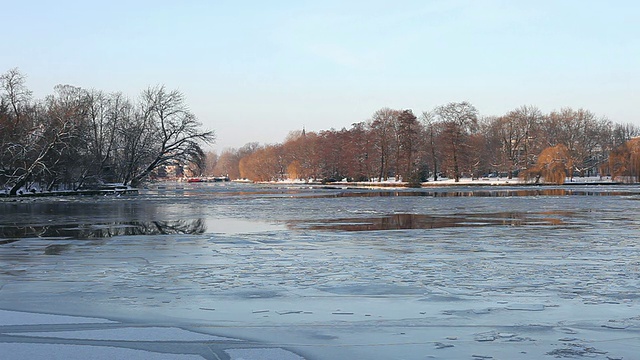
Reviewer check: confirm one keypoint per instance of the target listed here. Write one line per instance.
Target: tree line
(79, 138)
(451, 140)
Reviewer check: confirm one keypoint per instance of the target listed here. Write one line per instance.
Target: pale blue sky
(255, 70)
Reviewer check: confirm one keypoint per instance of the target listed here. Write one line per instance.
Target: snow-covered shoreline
(445, 182)
(391, 183)
(105, 190)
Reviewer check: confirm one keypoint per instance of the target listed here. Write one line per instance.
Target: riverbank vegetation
(78, 138)
(451, 140)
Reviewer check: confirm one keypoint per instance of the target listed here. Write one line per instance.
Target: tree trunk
(456, 170)
(22, 181)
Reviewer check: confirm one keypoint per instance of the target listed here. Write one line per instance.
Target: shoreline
(94, 192)
(447, 183)
(465, 182)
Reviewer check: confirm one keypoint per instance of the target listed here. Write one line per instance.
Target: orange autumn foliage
(554, 165)
(624, 162)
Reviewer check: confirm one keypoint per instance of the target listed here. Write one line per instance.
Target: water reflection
(56, 249)
(104, 230)
(200, 190)
(421, 221)
(478, 193)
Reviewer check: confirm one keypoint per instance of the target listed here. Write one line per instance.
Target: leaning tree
(164, 133)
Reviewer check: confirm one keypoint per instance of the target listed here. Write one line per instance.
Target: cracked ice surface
(83, 352)
(527, 276)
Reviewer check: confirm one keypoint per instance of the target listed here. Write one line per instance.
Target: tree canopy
(76, 137)
(451, 140)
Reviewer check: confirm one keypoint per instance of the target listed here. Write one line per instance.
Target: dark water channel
(203, 209)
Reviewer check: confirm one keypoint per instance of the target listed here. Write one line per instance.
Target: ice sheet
(24, 318)
(82, 352)
(128, 334)
(564, 283)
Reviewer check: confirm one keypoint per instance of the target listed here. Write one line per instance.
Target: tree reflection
(103, 230)
(422, 221)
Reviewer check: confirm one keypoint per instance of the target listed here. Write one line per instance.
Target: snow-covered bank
(444, 182)
(105, 190)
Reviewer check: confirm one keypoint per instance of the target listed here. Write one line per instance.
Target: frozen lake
(239, 271)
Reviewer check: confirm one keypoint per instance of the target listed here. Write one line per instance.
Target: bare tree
(408, 130)
(107, 114)
(459, 120)
(582, 133)
(263, 164)
(166, 133)
(358, 147)
(228, 164)
(432, 131)
(229, 160)
(515, 132)
(621, 133)
(15, 94)
(382, 128)
(76, 135)
(42, 150)
(211, 160)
